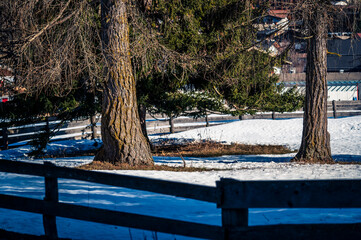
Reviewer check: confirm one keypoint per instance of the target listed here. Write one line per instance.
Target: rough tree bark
(315, 146)
(123, 140)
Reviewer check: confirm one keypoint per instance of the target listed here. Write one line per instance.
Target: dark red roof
(279, 13)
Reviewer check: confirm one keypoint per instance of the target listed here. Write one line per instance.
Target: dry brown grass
(97, 165)
(347, 162)
(214, 149)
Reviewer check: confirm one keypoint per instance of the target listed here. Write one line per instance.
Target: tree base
(101, 156)
(322, 160)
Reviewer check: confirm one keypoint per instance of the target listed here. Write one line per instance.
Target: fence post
(171, 124)
(231, 217)
(273, 115)
(47, 127)
(334, 109)
(207, 120)
(51, 195)
(93, 127)
(5, 138)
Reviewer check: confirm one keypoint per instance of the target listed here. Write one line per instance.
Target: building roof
(279, 13)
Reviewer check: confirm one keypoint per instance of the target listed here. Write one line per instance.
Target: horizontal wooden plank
(222, 117)
(188, 120)
(186, 128)
(185, 190)
(156, 124)
(27, 130)
(23, 133)
(71, 131)
(299, 231)
(158, 131)
(348, 114)
(23, 236)
(25, 138)
(288, 115)
(111, 217)
(76, 123)
(289, 194)
(347, 102)
(348, 108)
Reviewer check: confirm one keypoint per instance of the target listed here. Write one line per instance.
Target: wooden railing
(335, 109)
(90, 128)
(77, 129)
(233, 197)
(236, 197)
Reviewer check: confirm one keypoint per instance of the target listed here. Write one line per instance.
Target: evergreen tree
(216, 39)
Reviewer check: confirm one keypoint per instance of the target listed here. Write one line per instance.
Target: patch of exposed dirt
(214, 149)
(97, 165)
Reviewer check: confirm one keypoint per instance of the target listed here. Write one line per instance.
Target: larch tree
(54, 48)
(123, 140)
(315, 144)
(317, 17)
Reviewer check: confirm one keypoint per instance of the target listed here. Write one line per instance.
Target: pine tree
(217, 39)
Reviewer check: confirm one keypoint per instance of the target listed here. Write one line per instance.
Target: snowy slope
(345, 133)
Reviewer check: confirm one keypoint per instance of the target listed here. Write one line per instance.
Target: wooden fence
(21, 135)
(90, 128)
(334, 109)
(233, 197)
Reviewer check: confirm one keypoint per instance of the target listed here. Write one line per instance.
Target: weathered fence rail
(79, 129)
(90, 128)
(233, 197)
(334, 109)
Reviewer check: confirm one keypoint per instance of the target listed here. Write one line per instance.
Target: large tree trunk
(315, 144)
(123, 140)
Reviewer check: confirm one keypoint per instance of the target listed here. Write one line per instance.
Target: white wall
(345, 93)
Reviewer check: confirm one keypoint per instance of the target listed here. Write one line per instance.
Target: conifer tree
(216, 39)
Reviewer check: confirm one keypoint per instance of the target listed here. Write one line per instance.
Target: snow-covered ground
(345, 143)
